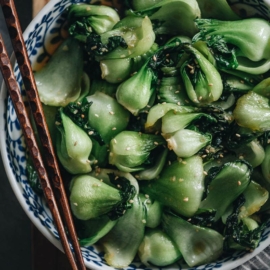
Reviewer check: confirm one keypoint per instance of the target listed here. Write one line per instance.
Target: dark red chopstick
(54, 175)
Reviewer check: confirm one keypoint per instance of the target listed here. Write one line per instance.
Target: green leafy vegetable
(106, 116)
(230, 181)
(91, 198)
(252, 111)
(202, 80)
(239, 44)
(59, 81)
(73, 146)
(85, 19)
(198, 245)
(129, 150)
(77, 112)
(121, 244)
(157, 248)
(180, 186)
(186, 143)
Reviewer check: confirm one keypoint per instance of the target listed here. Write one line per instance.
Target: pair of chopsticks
(49, 176)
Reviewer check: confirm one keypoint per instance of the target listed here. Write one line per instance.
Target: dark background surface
(15, 226)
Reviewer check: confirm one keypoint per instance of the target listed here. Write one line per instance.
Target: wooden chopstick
(12, 21)
(32, 145)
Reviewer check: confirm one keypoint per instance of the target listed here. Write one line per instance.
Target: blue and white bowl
(251, 8)
(42, 37)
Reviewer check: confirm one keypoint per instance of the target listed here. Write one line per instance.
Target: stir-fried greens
(162, 122)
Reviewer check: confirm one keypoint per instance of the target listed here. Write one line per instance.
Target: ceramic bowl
(251, 8)
(42, 36)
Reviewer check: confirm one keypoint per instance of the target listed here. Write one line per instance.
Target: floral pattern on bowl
(42, 37)
(251, 8)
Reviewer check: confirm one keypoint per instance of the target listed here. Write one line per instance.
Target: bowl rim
(14, 185)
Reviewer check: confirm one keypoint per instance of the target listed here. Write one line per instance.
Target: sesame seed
(128, 148)
(205, 173)
(93, 48)
(185, 199)
(143, 221)
(96, 115)
(114, 128)
(156, 143)
(65, 48)
(75, 143)
(237, 135)
(146, 196)
(90, 132)
(239, 183)
(75, 204)
(112, 113)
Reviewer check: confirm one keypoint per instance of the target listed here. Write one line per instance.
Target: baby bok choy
(228, 182)
(180, 186)
(198, 245)
(59, 82)
(85, 19)
(201, 78)
(186, 143)
(73, 145)
(121, 243)
(241, 44)
(91, 230)
(135, 93)
(106, 115)
(159, 110)
(91, 198)
(158, 249)
(172, 17)
(252, 111)
(130, 37)
(242, 233)
(129, 150)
